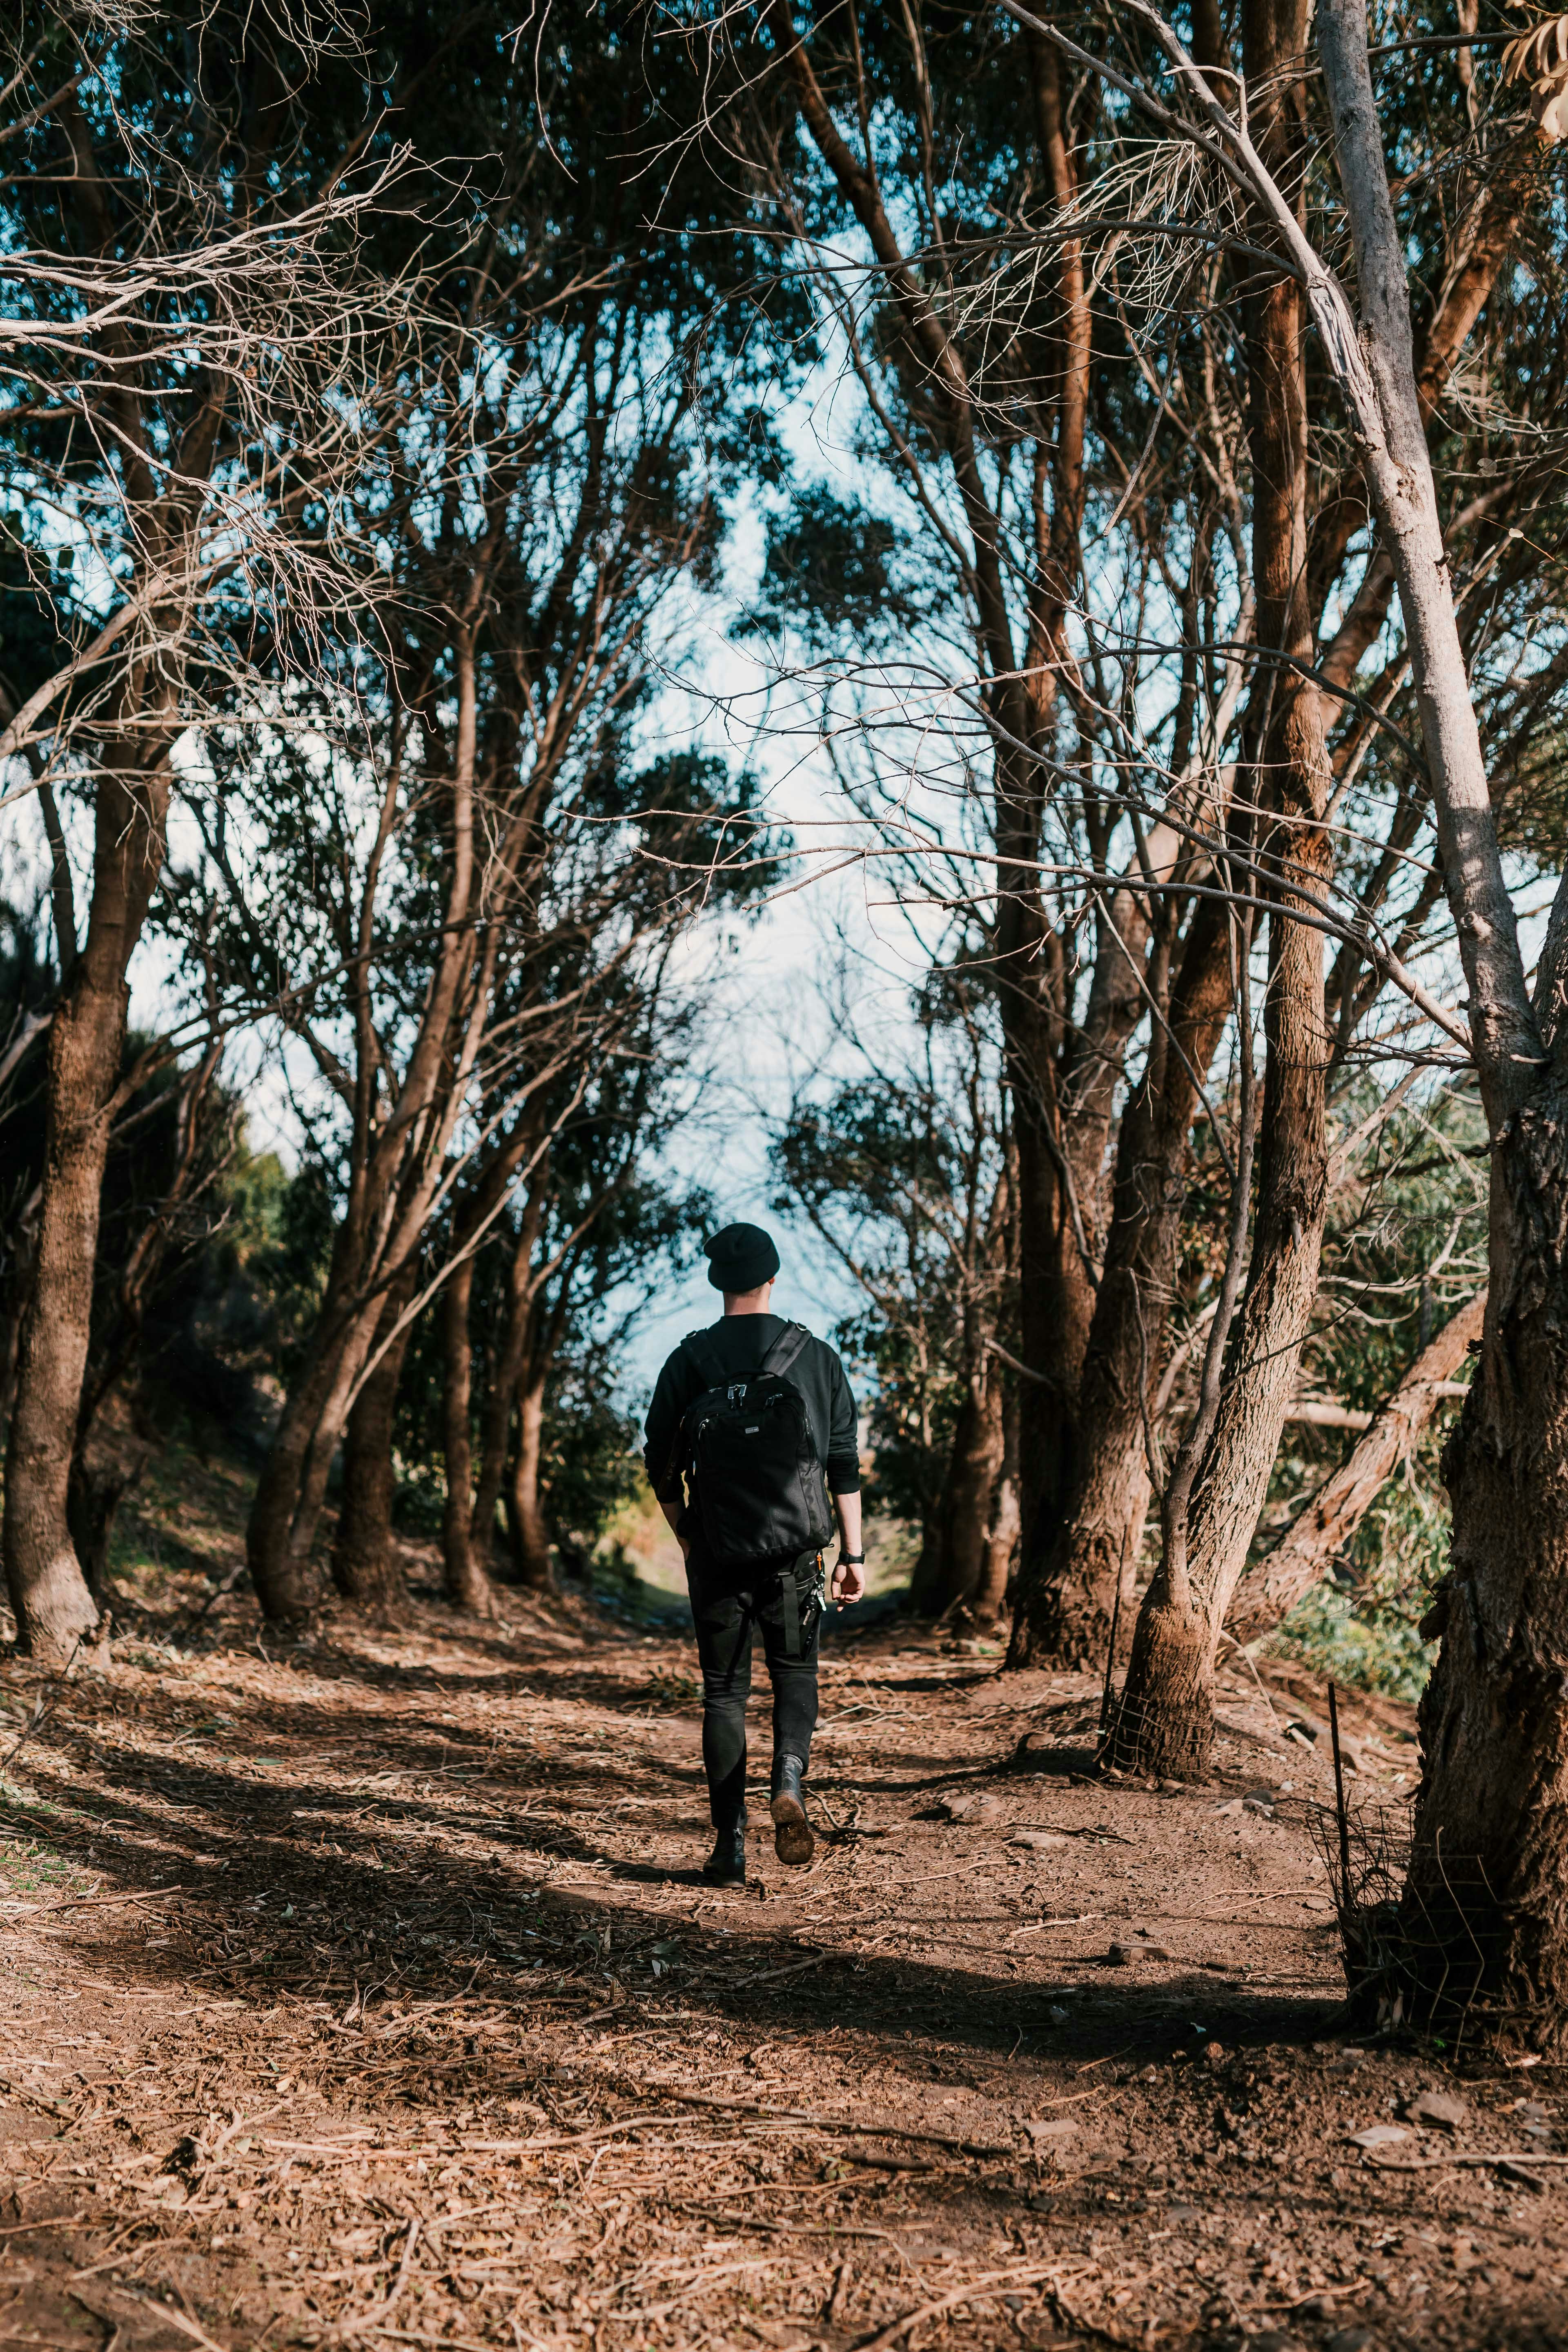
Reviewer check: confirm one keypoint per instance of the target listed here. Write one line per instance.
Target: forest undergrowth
(361, 1987)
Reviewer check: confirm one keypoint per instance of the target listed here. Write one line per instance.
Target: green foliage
(260, 1196)
(1405, 1246)
(912, 1408)
(835, 572)
(590, 1462)
(706, 833)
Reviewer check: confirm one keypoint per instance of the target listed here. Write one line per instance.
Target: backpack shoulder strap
(790, 1340)
(705, 1356)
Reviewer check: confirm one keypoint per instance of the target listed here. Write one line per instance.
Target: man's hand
(672, 1518)
(848, 1580)
(849, 1575)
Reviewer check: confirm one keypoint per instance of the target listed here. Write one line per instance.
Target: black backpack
(758, 1488)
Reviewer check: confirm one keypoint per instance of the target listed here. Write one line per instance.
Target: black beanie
(742, 1257)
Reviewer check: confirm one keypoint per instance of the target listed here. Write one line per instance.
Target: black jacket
(741, 1341)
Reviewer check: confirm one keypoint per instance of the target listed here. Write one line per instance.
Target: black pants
(726, 1605)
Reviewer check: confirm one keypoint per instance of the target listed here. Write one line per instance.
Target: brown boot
(793, 1838)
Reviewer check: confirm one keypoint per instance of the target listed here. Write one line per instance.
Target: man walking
(752, 1428)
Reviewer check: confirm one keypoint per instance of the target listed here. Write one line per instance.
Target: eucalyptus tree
(1277, 852)
(187, 318)
(454, 887)
(1216, 769)
(1485, 1931)
(900, 168)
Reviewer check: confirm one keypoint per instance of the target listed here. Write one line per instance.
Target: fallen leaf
(1444, 2110)
(968, 1810)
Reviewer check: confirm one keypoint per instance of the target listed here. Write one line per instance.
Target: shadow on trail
(311, 1890)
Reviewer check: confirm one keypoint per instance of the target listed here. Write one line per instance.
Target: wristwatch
(851, 1560)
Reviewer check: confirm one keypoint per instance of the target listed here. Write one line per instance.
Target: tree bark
(468, 1586)
(1065, 1610)
(494, 1424)
(505, 1370)
(1165, 1721)
(1007, 1518)
(528, 1532)
(274, 1555)
(1062, 1087)
(1485, 1905)
(957, 1571)
(18, 1284)
(1272, 1586)
(102, 1473)
(366, 1569)
(1062, 1092)
(53, 1607)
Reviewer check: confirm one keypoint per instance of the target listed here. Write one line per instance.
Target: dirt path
(363, 1990)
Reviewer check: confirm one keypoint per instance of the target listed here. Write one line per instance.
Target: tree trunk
(505, 1368)
(468, 1586)
(48, 1593)
(1485, 1905)
(494, 1424)
(366, 1569)
(1165, 1722)
(115, 1436)
(22, 1241)
(1002, 1534)
(93, 1494)
(107, 1462)
(276, 1564)
(1272, 1586)
(1056, 1307)
(1065, 1607)
(530, 1534)
(963, 1514)
(926, 1576)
